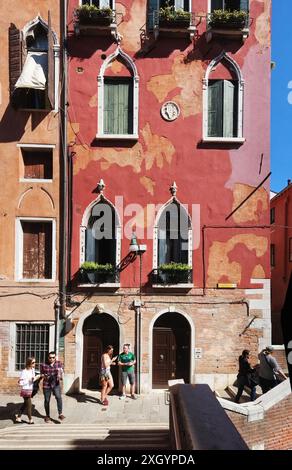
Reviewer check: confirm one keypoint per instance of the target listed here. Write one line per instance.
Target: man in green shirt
(127, 361)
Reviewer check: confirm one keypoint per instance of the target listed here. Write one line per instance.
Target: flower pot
(174, 23)
(95, 19)
(227, 25)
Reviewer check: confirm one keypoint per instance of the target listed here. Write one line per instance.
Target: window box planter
(93, 273)
(91, 15)
(172, 274)
(169, 18)
(222, 19)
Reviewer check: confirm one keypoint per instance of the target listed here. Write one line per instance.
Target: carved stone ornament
(170, 111)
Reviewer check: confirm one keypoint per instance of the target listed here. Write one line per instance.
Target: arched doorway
(171, 349)
(99, 330)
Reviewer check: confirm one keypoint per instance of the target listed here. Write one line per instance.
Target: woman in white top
(26, 380)
(105, 376)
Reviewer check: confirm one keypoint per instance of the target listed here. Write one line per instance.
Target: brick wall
(273, 432)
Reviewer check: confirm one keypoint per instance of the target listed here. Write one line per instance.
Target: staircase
(85, 437)
(230, 393)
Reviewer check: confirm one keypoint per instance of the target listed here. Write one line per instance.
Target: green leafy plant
(91, 266)
(90, 14)
(168, 14)
(228, 19)
(174, 267)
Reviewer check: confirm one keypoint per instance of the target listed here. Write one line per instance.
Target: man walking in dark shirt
(52, 373)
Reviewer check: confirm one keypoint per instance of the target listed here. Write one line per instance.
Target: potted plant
(169, 17)
(92, 15)
(174, 273)
(95, 273)
(225, 19)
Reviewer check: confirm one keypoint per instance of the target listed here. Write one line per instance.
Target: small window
(37, 250)
(32, 340)
(222, 108)
(272, 215)
(273, 256)
(37, 164)
(290, 250)
(99, 3)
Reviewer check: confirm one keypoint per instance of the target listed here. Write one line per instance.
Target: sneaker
(61, 417)
(31, 421)
(133, 397)
(18, 419)
(47, 419)
(105, 402)
(122, 397)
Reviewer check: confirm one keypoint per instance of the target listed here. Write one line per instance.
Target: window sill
(41, 281)
(224, 140)
(173, 286)
(117, 136)
(34, 180)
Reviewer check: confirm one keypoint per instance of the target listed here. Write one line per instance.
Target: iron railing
(99, 277)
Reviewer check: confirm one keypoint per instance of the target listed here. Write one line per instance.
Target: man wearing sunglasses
(52, 373)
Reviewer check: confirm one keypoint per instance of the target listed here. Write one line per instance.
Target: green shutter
(229, 108)
(118, 106)
(153, 5)
(215, 107)
(216, 5)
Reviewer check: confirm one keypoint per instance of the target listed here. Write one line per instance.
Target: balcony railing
(228, 24)
(177, 24)
(95, 23)
(174, 277)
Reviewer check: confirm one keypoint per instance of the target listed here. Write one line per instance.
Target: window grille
(32, 340)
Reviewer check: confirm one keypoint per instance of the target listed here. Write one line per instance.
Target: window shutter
(153, 5)
(37, 250)
(179, 4)
(104, 3)
(15, 61)
(216, 5)
(215, 107)
(229, 109)
(118, 107)
(51, 64)
(162, 247)
(244, 5)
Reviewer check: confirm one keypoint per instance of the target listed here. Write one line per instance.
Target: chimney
(288, 182)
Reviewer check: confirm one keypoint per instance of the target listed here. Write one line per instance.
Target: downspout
(63, 169)
(286, 241)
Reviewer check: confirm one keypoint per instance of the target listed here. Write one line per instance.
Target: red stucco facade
(216, 177)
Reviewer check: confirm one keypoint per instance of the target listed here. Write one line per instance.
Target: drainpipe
(137, 307)
(63, 169)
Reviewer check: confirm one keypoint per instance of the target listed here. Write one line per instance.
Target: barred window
(32, 340)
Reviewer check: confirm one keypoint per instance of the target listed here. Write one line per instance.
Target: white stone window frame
(30, 25)
(19, 249)
(155, 233)
(235, 67)
(40, 147)
(100, 96)
(90, 2)
(12, 372)
(84, 225)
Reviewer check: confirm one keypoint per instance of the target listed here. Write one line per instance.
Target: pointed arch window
(34, 66)
(101, 237)
(118, 99)
(223, 102)
(173, 245)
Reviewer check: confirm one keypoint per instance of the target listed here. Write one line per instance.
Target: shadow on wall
(12, 125)
(84, 47)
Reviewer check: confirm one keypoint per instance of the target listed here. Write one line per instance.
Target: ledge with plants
(171, 18)
(94, 273)
(225, 19)
(173, 273)
(92, 15)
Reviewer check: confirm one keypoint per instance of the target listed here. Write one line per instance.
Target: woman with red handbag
(26, 380)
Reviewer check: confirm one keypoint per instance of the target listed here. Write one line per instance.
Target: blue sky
(281, 150)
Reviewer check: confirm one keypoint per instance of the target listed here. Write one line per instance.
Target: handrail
(198, 421)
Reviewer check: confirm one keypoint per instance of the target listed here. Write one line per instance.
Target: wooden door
(92, 352)
(164, 357)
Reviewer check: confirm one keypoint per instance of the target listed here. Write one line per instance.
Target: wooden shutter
(15, 61)
(229, 108)
(215, 108)
(37, 250)
(37, 164)
(216, 5)
(51, 64)
(118, 106)
(153, 5)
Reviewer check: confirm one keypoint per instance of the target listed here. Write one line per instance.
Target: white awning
(34, 71)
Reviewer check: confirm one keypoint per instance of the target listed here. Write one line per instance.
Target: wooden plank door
(164, 357)
(92, 351)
